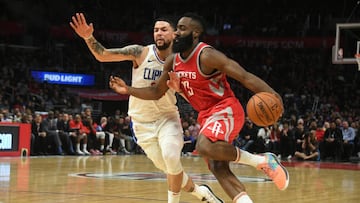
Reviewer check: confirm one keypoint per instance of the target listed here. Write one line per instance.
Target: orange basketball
(264, 109)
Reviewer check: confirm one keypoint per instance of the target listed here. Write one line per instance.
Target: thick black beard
(182, 44)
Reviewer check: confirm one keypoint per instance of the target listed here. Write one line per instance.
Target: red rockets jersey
(202, 91)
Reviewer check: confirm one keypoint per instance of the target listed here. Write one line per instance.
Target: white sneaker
(207, 195)
(78, 152)
(112, 152)
(124, 151)
(86, 152)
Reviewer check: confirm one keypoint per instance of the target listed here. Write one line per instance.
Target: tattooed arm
(127, 53)
(85, 31)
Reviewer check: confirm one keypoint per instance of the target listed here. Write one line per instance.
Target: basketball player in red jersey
(199, 75)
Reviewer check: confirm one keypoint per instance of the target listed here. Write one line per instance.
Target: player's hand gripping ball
(264, 108)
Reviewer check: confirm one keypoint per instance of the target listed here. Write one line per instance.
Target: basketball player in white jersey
(156, 123)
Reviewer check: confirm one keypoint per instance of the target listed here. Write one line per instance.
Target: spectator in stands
(38, 129)
(6, 115)
(64, 132)
(100, 135)
(299, 134)
(320, 131)
(95, 139)
(120, 135)
(309, 147)
(81, 134)
(247, 136)
(274, 144)
(348, 140)
(263, 140)
(194, 128)
(17, 115)
(52, 130)
(109, 135)
(332, 145)
(189, 143)
(127, 135)
(287, 142)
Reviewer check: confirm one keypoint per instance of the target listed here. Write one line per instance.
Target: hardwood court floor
(133, 179)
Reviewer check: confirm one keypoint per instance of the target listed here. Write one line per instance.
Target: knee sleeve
(171, 153)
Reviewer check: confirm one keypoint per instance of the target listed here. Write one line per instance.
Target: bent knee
(219, 168)
(204, 149)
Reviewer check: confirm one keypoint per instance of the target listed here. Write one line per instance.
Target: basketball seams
(259, 117)
(269, 97)
(275, 101)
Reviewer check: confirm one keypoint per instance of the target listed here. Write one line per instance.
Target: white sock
(84, 147)
(111, 139)
(247, 158)
(184, 180)
(242, 198)
(77, 147)
(173, 197)
(196, 193)
(101, 147)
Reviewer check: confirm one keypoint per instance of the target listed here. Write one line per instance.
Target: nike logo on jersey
(178, 63)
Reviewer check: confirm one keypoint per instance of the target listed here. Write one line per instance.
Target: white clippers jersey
(144, 76)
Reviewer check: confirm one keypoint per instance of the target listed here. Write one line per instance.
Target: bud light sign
(63, 78)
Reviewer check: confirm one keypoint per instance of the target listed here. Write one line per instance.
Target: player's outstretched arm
(153, 92)
(102, 54)
(146, 93)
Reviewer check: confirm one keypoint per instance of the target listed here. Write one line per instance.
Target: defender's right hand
(81, 27)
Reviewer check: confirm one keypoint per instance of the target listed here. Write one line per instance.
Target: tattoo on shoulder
(134, 50)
